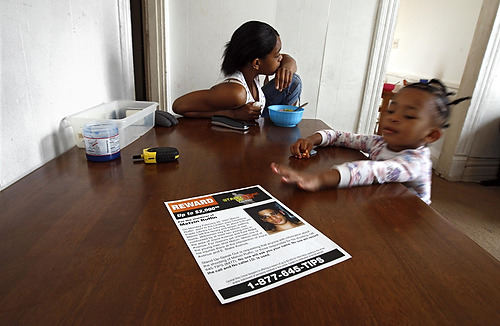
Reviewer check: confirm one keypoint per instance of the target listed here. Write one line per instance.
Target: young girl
(254, 49)
(415, 118)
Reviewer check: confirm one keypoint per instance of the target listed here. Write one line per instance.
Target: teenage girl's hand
(247, 112)
(307, 181)
(283, 78)
(284, 74)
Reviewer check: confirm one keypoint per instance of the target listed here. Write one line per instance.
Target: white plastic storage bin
(133, 119)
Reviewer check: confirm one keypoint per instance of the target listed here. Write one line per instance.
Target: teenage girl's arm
(284, 74)
(227, 99)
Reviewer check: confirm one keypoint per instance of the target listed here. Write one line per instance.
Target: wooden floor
(472, 208)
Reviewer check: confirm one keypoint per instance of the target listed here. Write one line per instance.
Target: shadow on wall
(57, 143)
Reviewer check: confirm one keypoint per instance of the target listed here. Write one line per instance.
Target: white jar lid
(100, 129)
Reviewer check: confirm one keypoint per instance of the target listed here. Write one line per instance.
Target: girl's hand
(284, 74)
(247, 112)
(283, 78)
(301, 148)
(306, 181)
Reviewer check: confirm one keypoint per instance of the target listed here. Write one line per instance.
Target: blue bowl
(284, 116)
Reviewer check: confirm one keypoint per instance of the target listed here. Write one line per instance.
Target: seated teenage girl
(254, 49)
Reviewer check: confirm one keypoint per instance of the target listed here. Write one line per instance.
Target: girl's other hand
(301, 148)
(306, 181)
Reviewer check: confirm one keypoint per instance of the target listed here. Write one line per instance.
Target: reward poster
(246, 241)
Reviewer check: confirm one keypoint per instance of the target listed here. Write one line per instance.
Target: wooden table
(92, 243)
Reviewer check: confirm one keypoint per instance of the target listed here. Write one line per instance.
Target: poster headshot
(273, 218)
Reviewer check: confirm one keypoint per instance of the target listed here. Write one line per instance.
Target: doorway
(427, 45)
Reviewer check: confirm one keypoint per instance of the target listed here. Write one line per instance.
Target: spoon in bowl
(301, 106)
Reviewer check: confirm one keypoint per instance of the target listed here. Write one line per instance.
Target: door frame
(155, 54)
(379, 56)
(126, 52)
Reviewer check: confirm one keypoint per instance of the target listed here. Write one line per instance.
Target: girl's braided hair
(438, 89)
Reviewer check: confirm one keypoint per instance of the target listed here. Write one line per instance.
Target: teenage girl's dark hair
(438, 89)
(251, 40)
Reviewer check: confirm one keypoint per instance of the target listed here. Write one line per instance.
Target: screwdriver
(157, 155)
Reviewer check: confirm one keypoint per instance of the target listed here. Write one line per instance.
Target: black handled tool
(157, 155)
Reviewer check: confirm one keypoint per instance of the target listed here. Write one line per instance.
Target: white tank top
(238, 78)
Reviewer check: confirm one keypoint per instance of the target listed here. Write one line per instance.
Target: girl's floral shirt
(411, 167)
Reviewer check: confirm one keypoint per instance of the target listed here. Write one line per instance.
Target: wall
(433, 39)
(331, 65)
(59, 57)
(350, 31)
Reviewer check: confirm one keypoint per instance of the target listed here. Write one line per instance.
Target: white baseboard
(455, 171)
(481, 169)
(471, 169)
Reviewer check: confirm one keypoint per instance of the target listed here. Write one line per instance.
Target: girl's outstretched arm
(307, 181)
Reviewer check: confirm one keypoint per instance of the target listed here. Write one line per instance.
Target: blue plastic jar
(102, 141)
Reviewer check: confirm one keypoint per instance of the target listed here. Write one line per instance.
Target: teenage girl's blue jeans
(288, 96)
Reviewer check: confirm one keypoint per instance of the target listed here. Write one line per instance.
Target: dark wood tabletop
(86, 243)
